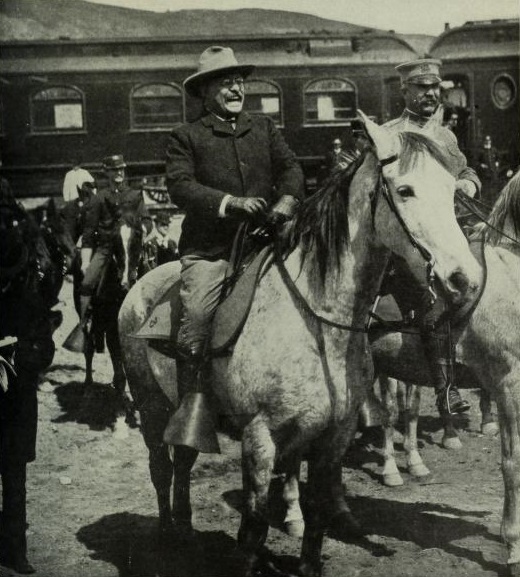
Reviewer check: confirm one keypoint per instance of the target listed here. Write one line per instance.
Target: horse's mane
(321, 223)
(414, 143)
(507, 205)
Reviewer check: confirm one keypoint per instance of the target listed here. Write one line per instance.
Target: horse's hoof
(393, 480)
(514, 569)
(452, 443)
(344, 526)
(120, 429)
(489, 429)
(419, 470)
(294, 528)
(308, 570)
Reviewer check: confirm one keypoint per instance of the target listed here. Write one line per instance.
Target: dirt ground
(92, 508)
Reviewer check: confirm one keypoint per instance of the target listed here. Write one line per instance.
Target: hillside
(78, 19)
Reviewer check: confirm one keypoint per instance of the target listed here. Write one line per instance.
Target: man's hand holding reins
(246, 207)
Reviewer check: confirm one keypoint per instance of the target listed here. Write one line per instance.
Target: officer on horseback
(101, 241)
(224, 169)
(421, 89)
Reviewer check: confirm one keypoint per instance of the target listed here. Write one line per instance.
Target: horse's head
(504, 221)
(414, 213)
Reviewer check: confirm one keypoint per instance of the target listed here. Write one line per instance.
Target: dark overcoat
(208, 159)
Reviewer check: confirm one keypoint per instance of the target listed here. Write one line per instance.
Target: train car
(65, 102)
(481, 74)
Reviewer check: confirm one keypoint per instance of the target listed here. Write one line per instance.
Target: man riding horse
(421, 89)
(104, 213)
(224, 169)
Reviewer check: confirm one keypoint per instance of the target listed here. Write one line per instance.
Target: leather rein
(381, 189)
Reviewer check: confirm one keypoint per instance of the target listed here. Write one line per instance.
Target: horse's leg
(391, 475)
(415, 464)
(124, 412)
(293, 521)
(450, 438)
(258, 455)
(183, 461)
(508, 405)
(488, 425)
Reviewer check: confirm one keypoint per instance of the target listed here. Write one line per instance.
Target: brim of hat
(114, 167)
(426, 79)
(193, 82)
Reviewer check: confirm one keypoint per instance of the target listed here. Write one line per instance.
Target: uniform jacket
(105, 212)
(459, 165)
(208, 159)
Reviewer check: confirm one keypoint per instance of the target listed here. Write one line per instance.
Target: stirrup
(449, 401)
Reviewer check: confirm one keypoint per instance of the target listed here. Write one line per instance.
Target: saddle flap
(232, 313)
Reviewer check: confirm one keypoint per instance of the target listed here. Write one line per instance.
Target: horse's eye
(405, 191)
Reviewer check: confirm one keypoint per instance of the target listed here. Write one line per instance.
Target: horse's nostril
(459, 281)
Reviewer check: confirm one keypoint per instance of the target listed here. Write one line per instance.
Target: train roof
(105, 55)
(482, 39)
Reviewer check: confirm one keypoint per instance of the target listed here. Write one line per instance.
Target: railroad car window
(263, 97)
(57, 109)
(329, 100)
(503, 91)
(156, 106)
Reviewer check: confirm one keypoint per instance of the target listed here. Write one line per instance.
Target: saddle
(161, 327)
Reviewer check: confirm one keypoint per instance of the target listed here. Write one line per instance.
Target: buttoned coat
(208, 159)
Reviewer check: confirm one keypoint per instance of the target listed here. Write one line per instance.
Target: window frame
(37, 131)
(154, 128)
(496, 79)
(279, 90)
(340, 122)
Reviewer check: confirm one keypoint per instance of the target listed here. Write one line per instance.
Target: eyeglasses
(230, 82)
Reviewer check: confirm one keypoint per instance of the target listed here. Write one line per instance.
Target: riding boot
(192, 424)
(13, 553)
(440, 355)
(85, 311)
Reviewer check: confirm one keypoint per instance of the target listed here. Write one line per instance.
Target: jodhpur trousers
(97, 266)
(201, 288)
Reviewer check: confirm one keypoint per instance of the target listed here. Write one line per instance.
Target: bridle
(381, 189)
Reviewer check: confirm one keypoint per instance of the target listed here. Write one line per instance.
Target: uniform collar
(415, 118)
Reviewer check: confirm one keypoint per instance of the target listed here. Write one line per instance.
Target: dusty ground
(92, 508)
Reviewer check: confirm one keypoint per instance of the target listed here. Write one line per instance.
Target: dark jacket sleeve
(184, 189)
(92, 217)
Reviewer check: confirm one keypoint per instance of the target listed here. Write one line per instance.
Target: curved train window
(58, 109)
(264, 97)
(503, 91)
(155, 106)
(329, 100)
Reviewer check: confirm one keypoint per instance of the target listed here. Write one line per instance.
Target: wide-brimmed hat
(424, 71)
(114, 162)
(215, 61)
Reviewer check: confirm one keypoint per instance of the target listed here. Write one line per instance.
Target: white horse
(489, 346)
(301, 366)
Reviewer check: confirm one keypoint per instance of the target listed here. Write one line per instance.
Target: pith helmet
(215, 61)
(423, 71)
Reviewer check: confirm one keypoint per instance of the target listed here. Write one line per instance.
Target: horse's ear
(385, 141)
